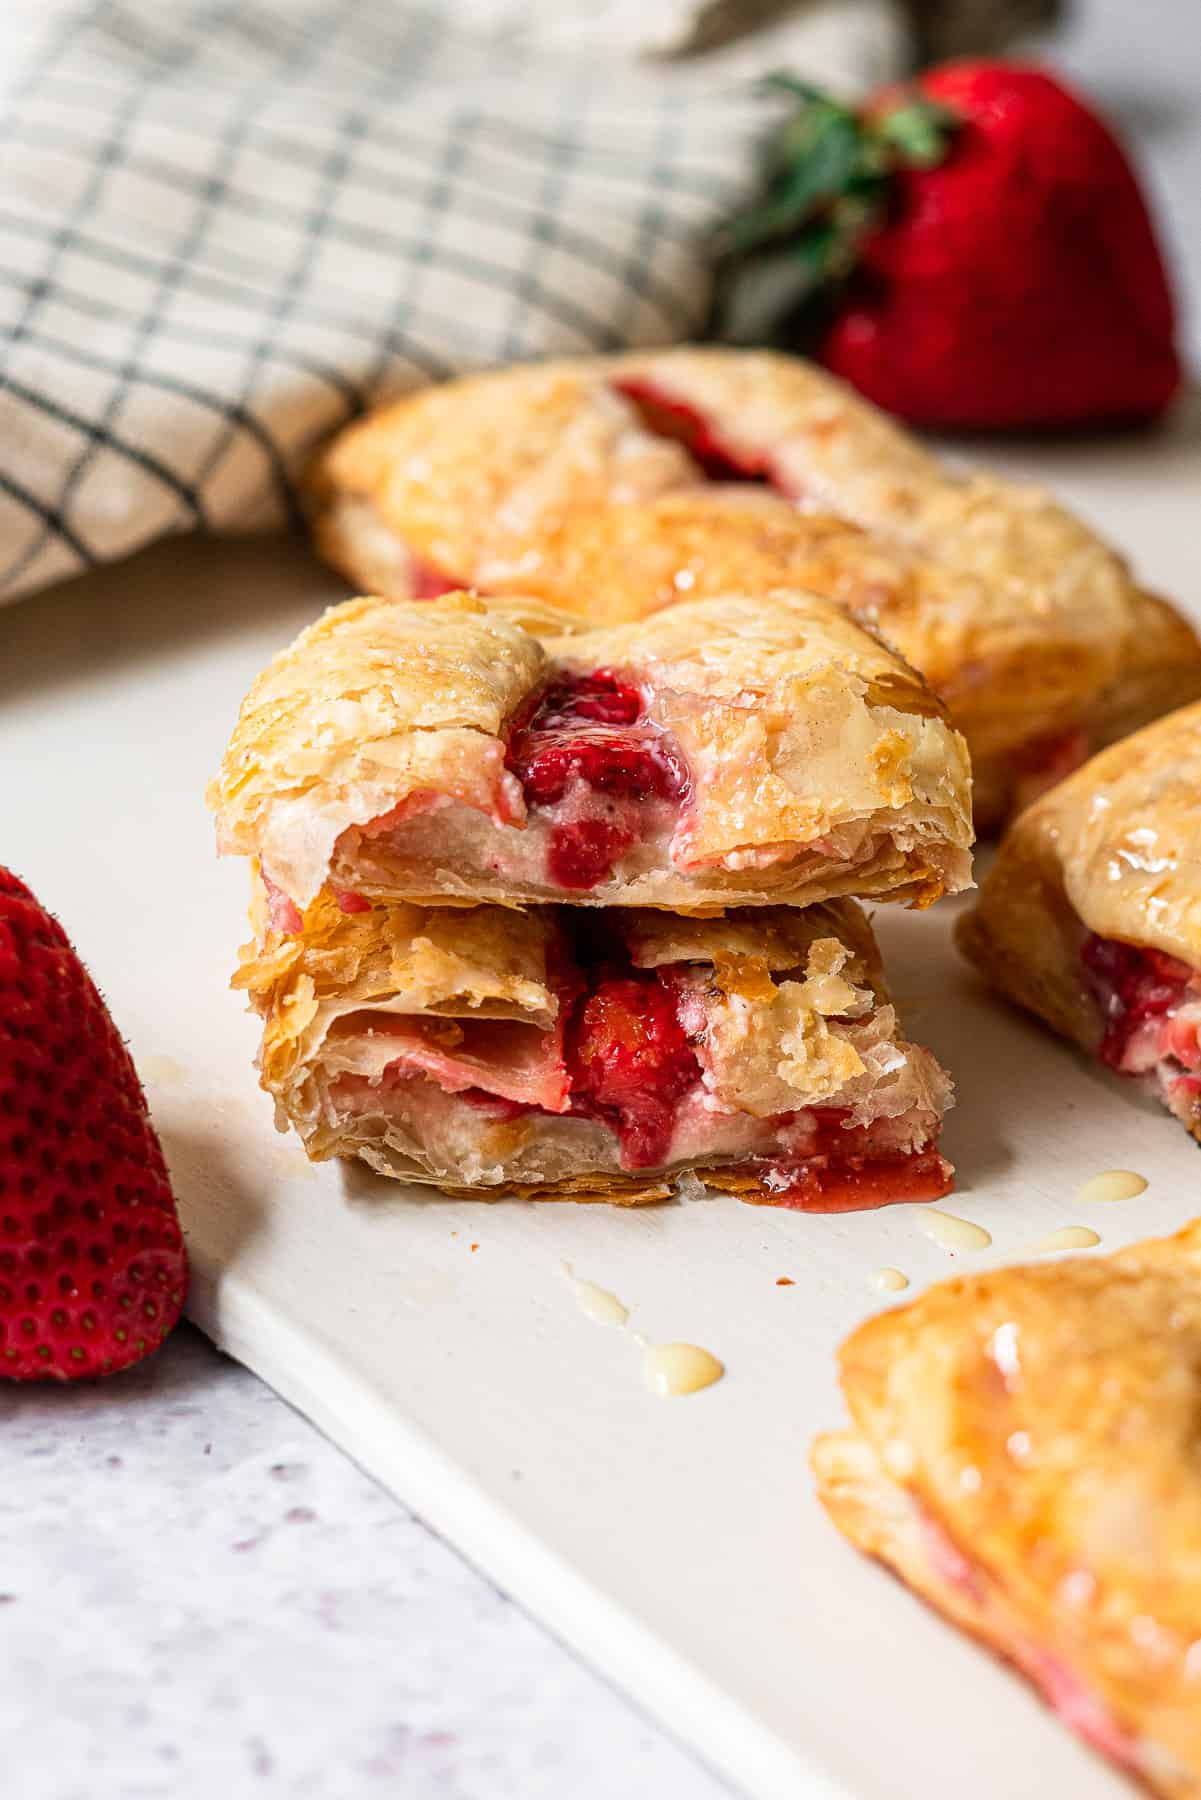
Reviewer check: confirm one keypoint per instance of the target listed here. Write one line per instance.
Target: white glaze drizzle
(596, 1302)
(1112, 1184)
(890, 1281)
(1068, 1237)
(951, 1233)
(673, 1369)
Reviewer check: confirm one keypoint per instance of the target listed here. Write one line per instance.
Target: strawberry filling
(1151, 1005)
(585, 751)
(1138, 987)
(283, 913)
(502, 1062)
(630, 1063)
(428, 582)
(668, 417)
(1081, 1710)
(846, 1174)
(349, 902)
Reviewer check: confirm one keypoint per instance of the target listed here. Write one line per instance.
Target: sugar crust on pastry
(591, 483)
(1023, 1454)
(1090, 917)
(736, 750)
(560, 1054)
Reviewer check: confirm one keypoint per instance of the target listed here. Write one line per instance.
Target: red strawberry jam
(668, 417)
(842, 1171)
(611, 762)
(582, 853)
(350, 902)
(587, 732)
(1133, 985)
(853, 1183)
(630, 1063)
(602, 697)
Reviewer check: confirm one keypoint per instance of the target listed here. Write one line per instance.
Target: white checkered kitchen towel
(227, 224)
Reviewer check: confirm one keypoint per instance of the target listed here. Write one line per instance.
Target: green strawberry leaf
(919, 131)
(826, 176)
(814, 161)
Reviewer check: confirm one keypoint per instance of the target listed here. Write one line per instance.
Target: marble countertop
(199, 1595)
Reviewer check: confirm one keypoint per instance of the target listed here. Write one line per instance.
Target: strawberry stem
(827, 173)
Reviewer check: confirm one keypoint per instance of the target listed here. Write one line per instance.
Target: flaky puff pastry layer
(1007, 676)
(818, 762)
(1024, 1455)
(789, 1007)
(1115, 849)
(547, 478)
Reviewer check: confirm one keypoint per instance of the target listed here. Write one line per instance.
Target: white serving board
(677, 1544)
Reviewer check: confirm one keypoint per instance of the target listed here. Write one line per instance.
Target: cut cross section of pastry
(618, 485)
(729, 751)
(580, 1055)
(1024, 1455)
(1091, 915)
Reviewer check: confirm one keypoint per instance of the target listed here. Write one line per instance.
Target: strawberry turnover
(1022, 1452)
(618, 486)
(1091, 914)
(567, 913)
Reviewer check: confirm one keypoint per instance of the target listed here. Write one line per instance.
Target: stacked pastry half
(571, 911)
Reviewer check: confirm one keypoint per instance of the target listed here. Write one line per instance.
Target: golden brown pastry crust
(585, 1190)
(421, 959)
(1115, 849)
(819, 763)
(1158, 672)
(758, 939)
(460, 471)
(1024, 1454)
(459, 468)
(822, 1032)
(545, 478)
(371, 703)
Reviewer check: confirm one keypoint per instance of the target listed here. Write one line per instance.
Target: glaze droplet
(596, 1302)
(890, 1281)
(671, 1369)
(950, 1233)
(1113, 1184)
(1068, 1237)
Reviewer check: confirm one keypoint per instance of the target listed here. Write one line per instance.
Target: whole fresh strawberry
(971, 250)
(92, 1263)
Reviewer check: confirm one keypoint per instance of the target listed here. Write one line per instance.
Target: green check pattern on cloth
(227, 225)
